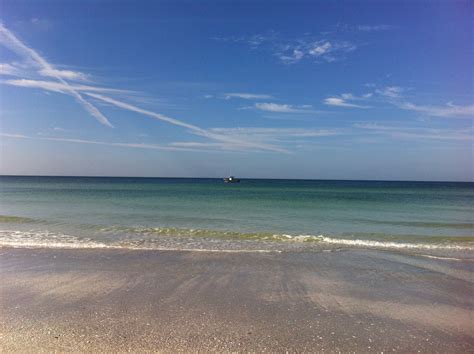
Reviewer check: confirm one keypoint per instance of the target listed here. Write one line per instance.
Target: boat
(231, 179)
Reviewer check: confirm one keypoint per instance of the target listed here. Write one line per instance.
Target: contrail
(96, 142)
(12, 42)
(8, 39)
(195, 129)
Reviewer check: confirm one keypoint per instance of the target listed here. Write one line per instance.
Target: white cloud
(59, 87)
(95, 142)
(65, 74)
(10, 70)
(246, 96)
(9, 40)
(290, 58)
(418, 133)
(201, 145)
(291, 51)
(265, 141)
(393, 95)
(16, 136)
(450, 110)
(390, 91)
(289, 137)
(282, 108)
(342, 102)
(275, 132)
(192, 128)
(254, 41)
(136, 109)
(323, 50)
(320, 49)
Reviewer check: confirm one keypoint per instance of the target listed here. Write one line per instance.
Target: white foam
(397, 245)
(446, 258)
(45, 239)
(30, 239)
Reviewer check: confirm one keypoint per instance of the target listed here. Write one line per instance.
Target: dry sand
(346, 300)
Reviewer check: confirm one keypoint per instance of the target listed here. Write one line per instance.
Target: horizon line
(244, 178)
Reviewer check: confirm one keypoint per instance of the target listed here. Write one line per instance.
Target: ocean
(256, 215)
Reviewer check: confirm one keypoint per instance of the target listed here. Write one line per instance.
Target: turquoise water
(203, 213)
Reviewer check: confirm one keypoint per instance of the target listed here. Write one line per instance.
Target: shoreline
(134, 300)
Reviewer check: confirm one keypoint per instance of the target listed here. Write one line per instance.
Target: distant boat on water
(231, 179)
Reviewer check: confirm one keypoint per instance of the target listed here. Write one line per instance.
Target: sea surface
(256, 215)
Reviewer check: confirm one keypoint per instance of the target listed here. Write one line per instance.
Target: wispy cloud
(208, 145)
(289, 137)
(318, 50)
(449, 110)
(390, 94)
(154, 115)
(275, 132)
(390, 91)
(342, 102)
(242, 142)
(60, 87)
(173, 146)
(291, 51)
(283, 108)
(65, 74)
(9, 40)
(418, 133)
(253, 41)
(104, 143)
(394, 96)
(247, 96)
(10, 70)
(65, 82)
(290, 55)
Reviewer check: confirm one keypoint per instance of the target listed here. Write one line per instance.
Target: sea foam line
(47, 239)
(115, 247)
(397, 245)
(98, 245)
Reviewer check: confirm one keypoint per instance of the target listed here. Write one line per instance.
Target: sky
(378, 90)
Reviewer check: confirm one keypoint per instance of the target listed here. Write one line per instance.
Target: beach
(343, 299)
(236, 176)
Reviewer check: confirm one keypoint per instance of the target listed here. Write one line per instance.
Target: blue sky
(269, 89)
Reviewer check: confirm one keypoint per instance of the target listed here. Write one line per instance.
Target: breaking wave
(191, 239)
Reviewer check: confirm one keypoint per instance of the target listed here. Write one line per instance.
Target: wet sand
(347, 300)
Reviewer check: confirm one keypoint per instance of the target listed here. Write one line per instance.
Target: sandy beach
(346, 300)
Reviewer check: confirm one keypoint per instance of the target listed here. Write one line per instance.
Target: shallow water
(255, 214)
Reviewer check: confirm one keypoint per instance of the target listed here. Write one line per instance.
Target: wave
(271, 236)
(272, 242)
(21, 239)
(396, 245)
(15, 219)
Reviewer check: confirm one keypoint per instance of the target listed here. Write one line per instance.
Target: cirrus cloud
(283, 108)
